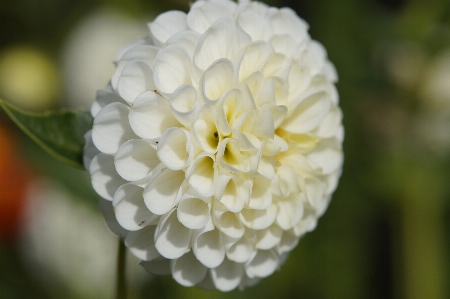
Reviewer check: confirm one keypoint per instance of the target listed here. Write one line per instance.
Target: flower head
(218, 142)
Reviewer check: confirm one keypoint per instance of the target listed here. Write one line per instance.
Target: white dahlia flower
(218, 142)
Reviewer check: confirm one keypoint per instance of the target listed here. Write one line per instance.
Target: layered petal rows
(218, 142)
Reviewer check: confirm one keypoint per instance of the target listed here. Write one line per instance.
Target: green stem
(423, 234)
(121, 292)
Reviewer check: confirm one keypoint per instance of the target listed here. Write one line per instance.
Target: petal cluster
(218, 142)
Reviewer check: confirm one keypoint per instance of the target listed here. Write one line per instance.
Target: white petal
(266, 93)
(266, 167)
(230, 225)
(332, 181)
(315, 190)
(314, 57)
(141, 243)
(227, 276)
(327, 156)
(281, 143)
(202, 175)
(259, 219)
(103, 98)
(205, 130)
(111, 128)
(187, 270)
(209, 248)
(192, 211)
(330, 72)
(279, 187)
(150, 116)
(217, 79)
(203, 14)
(118, 59)
(281, 91)
(285, 21)
(296, 160)
(187, 39)
(264, 126)
(340, 134)
(307, 224)
(255, 26)
(274, 147)
(288, 242)
(106, 208)
(230, 5)
(255, 57)
(230, 107)
(261, 197)
(130, 209)
(242, 37)
(321, 208)
(183, 103)
(263, 264)
(241, 251)
(145, 53)
(236, 193)
(254, 157)
(334, 95)
(172, 238)
(228, 241)
(277, 65)
(284, 44)
(175, 149)
(158, 266)
(250, 145)
(222, 180)
(207, 284)
(136, 77)
(255, 83)
(308, 114)
(161, 193)
(231, 158)
(299, 79)
(258, 7)
(166, 25)
(135, 159)
(137, 43)
(289, 178)
(269, 237)
(317, 84)
(89, 150)
(331, 123)
(104, 177)
(241, 128)
(290, 211)
(207, 228)
(248, 282)
(216, 43)
(279, 113)
(172, 69)
(248, 101)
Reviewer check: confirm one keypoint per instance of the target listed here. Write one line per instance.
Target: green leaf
(60, 133)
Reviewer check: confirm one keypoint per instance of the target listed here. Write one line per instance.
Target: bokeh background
(386, 233)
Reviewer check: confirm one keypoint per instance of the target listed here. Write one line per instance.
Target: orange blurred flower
(14, 176)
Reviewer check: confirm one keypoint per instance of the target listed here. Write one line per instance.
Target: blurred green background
(386, 233)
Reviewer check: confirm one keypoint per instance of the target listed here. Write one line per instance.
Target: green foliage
(60, 133)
